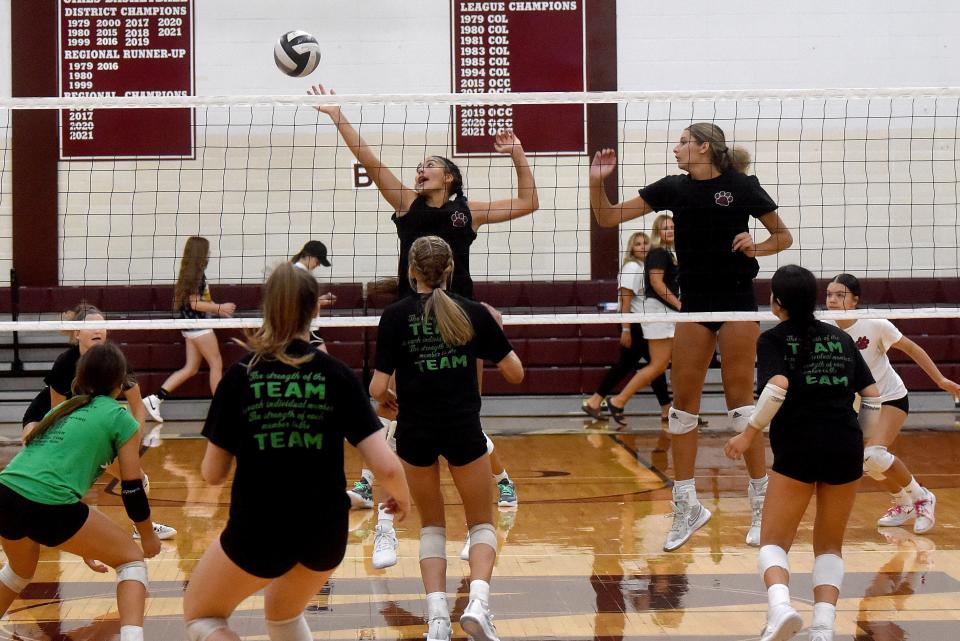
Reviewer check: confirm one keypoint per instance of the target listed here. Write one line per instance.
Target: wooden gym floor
(580, 558)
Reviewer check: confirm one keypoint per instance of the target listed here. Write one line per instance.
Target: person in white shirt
(874, 338)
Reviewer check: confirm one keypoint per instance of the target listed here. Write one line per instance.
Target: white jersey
(875, 337)
(631, 277)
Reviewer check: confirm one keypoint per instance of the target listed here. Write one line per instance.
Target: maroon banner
(126, 48)
(500, 47)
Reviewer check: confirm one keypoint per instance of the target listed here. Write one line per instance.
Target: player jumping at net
(437, 206)
(277, 541)
(59, 388)
(810, 372)
(874, 338)
(41, 490)
(191, 298)
(432, 339)
(717, 259)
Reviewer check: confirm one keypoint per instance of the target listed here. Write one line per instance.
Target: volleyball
(297, 53)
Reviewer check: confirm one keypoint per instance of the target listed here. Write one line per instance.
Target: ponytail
(431, 260)
(454, 324)
(795, 290)
(289, 305)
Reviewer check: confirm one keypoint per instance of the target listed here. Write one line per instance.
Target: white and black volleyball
(297, 53)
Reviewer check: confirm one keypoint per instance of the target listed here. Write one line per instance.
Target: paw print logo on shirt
(459, 219)
(862, 343)
(723, 198)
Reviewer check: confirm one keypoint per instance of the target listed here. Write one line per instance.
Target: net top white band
(477, 98)
(508, 319)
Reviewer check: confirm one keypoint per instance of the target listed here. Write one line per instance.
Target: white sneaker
(783, 623)
(162, 531)
(925, 514)
(465, 552)
(820, 634)
(384, 547)
(896, 515)
(756, 511)
(152, 438)
(152, 403)
(477, 621)
(438, 629)
(686, 521)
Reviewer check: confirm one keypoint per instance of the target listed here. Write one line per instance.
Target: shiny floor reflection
(580, 558)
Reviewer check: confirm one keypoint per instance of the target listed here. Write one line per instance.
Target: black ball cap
(316, 249)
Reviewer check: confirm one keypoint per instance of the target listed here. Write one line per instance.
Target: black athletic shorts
(741, 298)
(832, 456)
(270, 549)
(902, 403)
(422, 447)
(49, 525)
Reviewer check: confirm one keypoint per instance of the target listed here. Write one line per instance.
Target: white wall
(260, 190)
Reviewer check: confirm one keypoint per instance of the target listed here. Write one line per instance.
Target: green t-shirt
(59, 467)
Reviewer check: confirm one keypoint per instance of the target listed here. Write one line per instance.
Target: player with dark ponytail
(41, 489)
(808, 373)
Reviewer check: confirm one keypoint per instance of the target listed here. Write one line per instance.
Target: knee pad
(133, 571)
(295, 629)
(772, 556)
(828, 570)
(12, 580)
(433, 542)
(483, 534)
(681, 422)
(489, 444)
(200, 629)
(876, 461)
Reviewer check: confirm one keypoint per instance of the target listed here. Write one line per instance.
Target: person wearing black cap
(314, 254)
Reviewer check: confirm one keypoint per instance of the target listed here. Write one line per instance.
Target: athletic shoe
(508, 493)
(756, 510)
(821, 634)
(438, 629)
(596, 414)
(686, 521)
(465, 552)
(152, 403)
(361, 496)
(162, 531)
(477, 621)
(783, 623)
(896, 515)
(384, 547)
(152, 438)
(925, 514)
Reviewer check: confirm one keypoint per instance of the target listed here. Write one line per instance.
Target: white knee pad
(133, 571)
(200, 629)
(12, 580)
(295, 629)
(433, 542)
(828, 570)
(483, 534)
(489, 444)
(740, 417)
(772, 556)
(876, 461)
(680, 422)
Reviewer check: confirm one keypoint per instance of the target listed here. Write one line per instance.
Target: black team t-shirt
(660, 258)
(451, 222)
(285, 425)
(820, 397)
(436, 383)
(707, 215)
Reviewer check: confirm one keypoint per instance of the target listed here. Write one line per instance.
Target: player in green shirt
(41, 490)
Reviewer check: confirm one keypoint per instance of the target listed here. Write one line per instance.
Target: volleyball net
(866, 180)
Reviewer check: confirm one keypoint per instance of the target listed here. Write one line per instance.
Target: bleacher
(559, 359)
